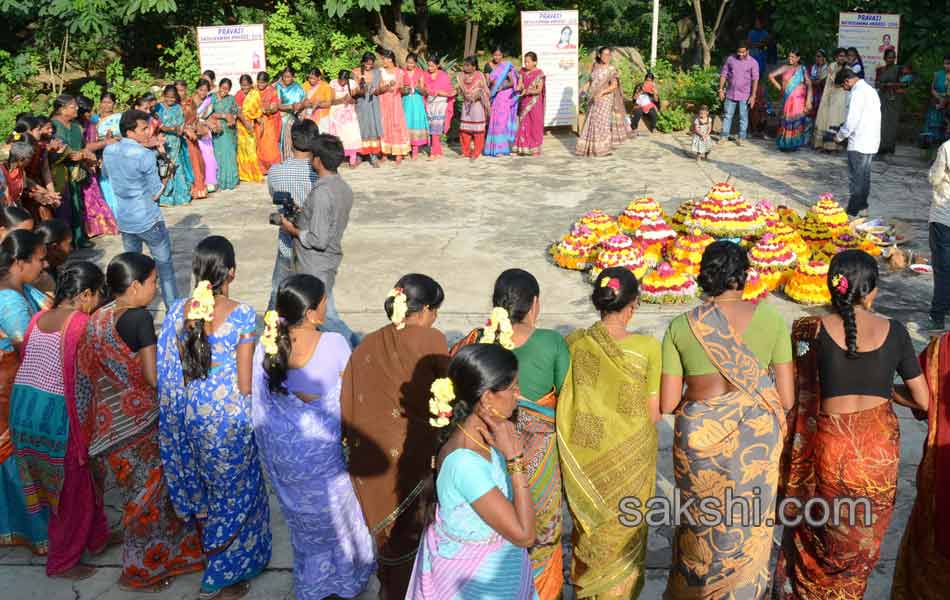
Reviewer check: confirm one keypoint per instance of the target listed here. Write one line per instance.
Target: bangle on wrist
(515, 458)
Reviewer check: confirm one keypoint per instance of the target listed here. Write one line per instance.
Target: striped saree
(608, 445)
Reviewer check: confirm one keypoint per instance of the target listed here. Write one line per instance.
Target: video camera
(828, 136)
(286, 208)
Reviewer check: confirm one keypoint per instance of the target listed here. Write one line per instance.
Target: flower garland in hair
(440, 404)
(840, 283)
(611, 282)
(400, 307)
(269, 337)
(499, 322)
(201, 305)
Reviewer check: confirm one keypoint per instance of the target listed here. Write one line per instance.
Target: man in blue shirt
(131, 168)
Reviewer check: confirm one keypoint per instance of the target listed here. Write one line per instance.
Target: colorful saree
(267, 126)
(18, 527)
(934, 125)
(414, 107)
(225, 142)
(206, 142)
(530, 134)
(52, 447)
(395, 138)
(288, 94)
(368, 114)
(923, 562)
(67, 177)
(199, 186)
(208, 450)
(605, 124)
(385, 414)
(105, 126)
(439, 109)
(320, 93)
(333, 551)
(178, 189)
(249, 167)
(829, 456)
(795, 127)
(122, 425)
(503, 122)
(99, 217)
(608, 448)
(727, 445)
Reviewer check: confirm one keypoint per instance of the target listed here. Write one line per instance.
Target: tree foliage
(286, 45)
(95, 17)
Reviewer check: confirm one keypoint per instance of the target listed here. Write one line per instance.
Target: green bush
(180, 60)
(342, 52)
(285, 44)
(673, 119)
(127, 88)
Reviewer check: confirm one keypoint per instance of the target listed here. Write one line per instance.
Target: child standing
(702, 128)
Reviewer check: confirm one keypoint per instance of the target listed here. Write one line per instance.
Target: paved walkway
(463, 223)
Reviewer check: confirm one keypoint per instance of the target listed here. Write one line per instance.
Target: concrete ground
(463, 223)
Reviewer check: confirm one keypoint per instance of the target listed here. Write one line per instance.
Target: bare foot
(77, 573)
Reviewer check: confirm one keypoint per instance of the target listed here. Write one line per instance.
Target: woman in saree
(205, 127)
(99, 217)
(817, 74)
(191, 132)
(319, 99)
(13, 184)
(13, 217)
(43, 200)
(729, 429)
(476, 105)
(296, 415)
(413, 104)
(22, 256)
(67, 166)
(172, 124)
(503, 120)
(796, 126)
(614, 378)
(291, 100)
(224, 110)
(343, 121)
(395, 138)
(543, 362)
(834, 104)
(530, 134)
(248, 100)
(263, 110)
(107, 125)
(386, 427)
(605, 124)
(367, 107)
(934, 124)
(440, 104)
(478, 507)
(47, 425)
(845, 438)
(891, 90)
(205, 433)
(922, 571)
(116, 378)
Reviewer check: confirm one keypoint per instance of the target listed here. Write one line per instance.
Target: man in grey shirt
(318, 231)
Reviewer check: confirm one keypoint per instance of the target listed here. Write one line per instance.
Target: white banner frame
(553, 36)
(231, 51)
(870, 34)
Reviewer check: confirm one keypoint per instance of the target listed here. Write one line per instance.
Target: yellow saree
(249, 168)
(608, 446)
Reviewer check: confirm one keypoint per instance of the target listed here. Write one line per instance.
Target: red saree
(530, 134)
(923, 562)
(122, 426)
(829, 456)
(267, 129)
(199, 188)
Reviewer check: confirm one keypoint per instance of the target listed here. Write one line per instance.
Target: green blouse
(767, 336)
(543, 361)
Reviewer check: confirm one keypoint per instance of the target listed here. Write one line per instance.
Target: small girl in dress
(702, 128)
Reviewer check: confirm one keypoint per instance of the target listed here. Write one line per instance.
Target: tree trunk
(422, 19)
(395, 41)
(468, 39)
(474, 38)
(708, 44)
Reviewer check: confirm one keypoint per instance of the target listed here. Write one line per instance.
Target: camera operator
(132, 169)
(295, 177)
(318, 230)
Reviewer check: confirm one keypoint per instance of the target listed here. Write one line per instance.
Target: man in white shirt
(862, 129)
(940, 238)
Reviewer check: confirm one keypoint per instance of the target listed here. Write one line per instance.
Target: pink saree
(99, 217)
(530, 134)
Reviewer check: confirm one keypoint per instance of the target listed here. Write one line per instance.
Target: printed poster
(871, 34)
(553, 36)
(231, 51)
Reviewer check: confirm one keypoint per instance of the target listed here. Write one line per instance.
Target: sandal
(77, 573)
(232, 592)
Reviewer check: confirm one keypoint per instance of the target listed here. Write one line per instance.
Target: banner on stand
(871, 34)
(231, 51)
(553, 36)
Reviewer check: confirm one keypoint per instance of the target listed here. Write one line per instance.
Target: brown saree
(385, 414)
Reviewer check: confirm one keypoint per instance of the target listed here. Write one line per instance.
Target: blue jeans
(160, 247)
(283, 266)
(859, 181)
(729, 107)
(333, 321)
(940, 261)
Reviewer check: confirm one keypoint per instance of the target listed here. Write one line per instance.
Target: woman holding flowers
(296, 415)
(614, 378)
(543, 362)
(386, 423)
(116, 379)
(480, 514)
(207, 442)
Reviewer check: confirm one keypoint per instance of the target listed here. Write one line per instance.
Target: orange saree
(199, 189)
(266, 128)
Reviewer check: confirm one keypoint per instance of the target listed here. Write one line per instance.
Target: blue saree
(288, 94)
(178, 190)
(209, 453)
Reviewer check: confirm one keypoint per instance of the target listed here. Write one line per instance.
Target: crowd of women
(444, 471)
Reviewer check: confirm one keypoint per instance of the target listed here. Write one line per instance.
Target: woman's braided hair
(851, 277)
